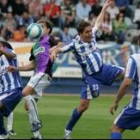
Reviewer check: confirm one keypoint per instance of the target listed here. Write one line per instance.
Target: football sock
(116, 135)
(32, 112)
(10, 121)
(2, 127)
(37, 135)
(74, 118)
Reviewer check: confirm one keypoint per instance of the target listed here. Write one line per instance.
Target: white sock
(10, 122)
(37, 134)
(32, 112)
(67, 132)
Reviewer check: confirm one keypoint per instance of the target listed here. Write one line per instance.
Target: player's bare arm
(100, 18)
(27, 67)
(60, 44)
(7, 54)
(122, 91)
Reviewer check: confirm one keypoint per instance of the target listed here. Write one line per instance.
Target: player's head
(46, 26)
(85, 31)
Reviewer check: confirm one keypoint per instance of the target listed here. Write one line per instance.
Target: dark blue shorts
(105, 76)
(10, 101)
(129, 119)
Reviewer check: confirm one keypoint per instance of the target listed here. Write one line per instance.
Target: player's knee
(115, 129)
(83, 108)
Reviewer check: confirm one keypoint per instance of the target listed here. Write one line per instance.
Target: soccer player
(129, 118)
(95, 73)
(11, 116)
(42, 65)
(10, 87)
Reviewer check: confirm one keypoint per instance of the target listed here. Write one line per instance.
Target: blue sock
(74, 118)
(2, 127)
(116, 135)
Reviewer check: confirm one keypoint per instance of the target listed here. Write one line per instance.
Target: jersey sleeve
(131, 68)
(68, 47)
(31, 56)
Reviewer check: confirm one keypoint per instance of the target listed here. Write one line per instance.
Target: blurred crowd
(121, 21)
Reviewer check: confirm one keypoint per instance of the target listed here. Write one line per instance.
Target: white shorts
(39, 81)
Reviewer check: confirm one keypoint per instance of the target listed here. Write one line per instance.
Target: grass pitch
(55, 110)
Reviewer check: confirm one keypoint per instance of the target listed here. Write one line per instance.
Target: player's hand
(107, 4)
(113, 108)
(12, 69)
(53, 55)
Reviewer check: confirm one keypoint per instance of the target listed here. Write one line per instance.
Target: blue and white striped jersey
(133, 72)
(8, 81)
(86, 54)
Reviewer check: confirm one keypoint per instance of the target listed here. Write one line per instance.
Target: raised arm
(100, 18)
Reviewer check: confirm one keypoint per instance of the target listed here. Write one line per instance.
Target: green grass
(55, 111)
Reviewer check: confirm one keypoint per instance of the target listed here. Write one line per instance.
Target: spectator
(66, 37)
(9, 26)
(18, 8)
(1, 37)
(82, 10)
(113, 11)
(120, 27)
(91, 2)
(5, 7)
(19, 35)
(137, 15)
(35, 8)
(2, 20)
(92, 18)
(107, 29)
(52, 12)
(96, 8)
(58, 2)
(67, 14)
(123, 6)
(10, 23)
(25, 19)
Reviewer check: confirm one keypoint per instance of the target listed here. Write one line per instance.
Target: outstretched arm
(60, 44)
(27, 67)
(100, 18)
(61, 48)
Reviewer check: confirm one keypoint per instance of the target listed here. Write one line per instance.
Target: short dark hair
(48, 24)
(82, 25)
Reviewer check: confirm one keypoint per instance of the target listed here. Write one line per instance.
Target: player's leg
(76, 115)
(35, 87)
(33, 117)
(32, 109)
(86, 96)
(10, 124)
(116, 132)
(8, 102)
(3, 130)
(110, 73)
(121, 73)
